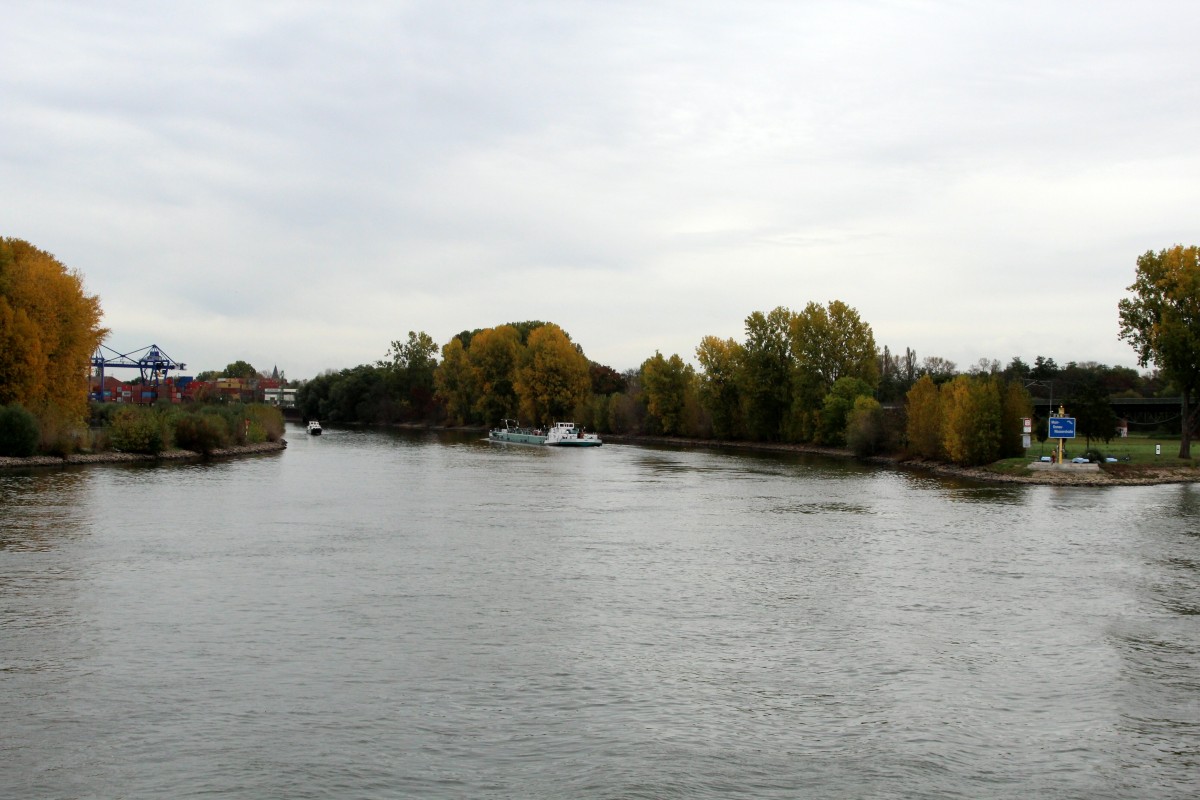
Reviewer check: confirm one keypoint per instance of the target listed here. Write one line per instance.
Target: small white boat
(568, 434)
(314, 427)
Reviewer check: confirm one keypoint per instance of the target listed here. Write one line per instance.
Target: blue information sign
(1062, 427)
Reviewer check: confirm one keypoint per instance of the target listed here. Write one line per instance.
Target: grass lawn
(1137, 448)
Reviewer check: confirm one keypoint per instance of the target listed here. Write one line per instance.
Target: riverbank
(113, 457)
(1106, 475)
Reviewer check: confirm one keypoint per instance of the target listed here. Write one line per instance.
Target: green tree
(765, 377)
(666, 384)
(720, 360)
(832, 342)
(836, 407)
(240, 369)
(939, 369)
(416, 355)
(554, 378)
(1092, 409)
(827, 343)
(1162, 323)
(866, 427)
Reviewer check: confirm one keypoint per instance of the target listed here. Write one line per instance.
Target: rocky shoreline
(125, 458)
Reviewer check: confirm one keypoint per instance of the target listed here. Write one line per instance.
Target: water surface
(384, 615)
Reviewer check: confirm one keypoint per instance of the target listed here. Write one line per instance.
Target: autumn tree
(1015, 406)
(49, 329)
(924, 419)
(455, 382)
(971, 430)
(495, 356)
(554, 378)
(720, 360)
(1162, 323)
(605, 380)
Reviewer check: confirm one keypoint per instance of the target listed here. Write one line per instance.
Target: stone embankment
(123, 458)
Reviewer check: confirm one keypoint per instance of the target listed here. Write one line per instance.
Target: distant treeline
(813, 376)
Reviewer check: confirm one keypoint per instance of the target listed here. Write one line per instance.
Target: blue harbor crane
(150, 361)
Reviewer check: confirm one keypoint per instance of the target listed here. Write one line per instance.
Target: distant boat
(314, 428)
(563, 434)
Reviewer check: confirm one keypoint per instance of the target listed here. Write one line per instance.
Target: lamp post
(1049, 410)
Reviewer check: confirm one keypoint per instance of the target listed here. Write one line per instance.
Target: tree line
(813, 376)
(810, 376)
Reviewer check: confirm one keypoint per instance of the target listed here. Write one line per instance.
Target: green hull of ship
(516, 438)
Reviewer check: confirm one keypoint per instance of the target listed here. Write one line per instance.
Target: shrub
(135, 430)
(269, 422)
(18, 431)
(59, 435)
(202, 433)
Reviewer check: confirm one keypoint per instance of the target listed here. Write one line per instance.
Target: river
(389, 614)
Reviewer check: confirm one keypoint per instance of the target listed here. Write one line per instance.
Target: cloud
(297, 184)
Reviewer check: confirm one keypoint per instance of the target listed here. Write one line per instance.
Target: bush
(59, 435)
(202, 433)
(136, 430)
(19, 431)
(269, 422)
(866, 427)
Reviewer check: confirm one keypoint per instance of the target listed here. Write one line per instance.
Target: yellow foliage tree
(554, 378)
(455, 382)
(924, 412)
(495, 356)
(971, 425)
(49, 329)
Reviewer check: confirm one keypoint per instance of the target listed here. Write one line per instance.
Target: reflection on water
(412, 614)
(39, 508)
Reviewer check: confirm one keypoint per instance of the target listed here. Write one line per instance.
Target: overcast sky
(300, 183)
